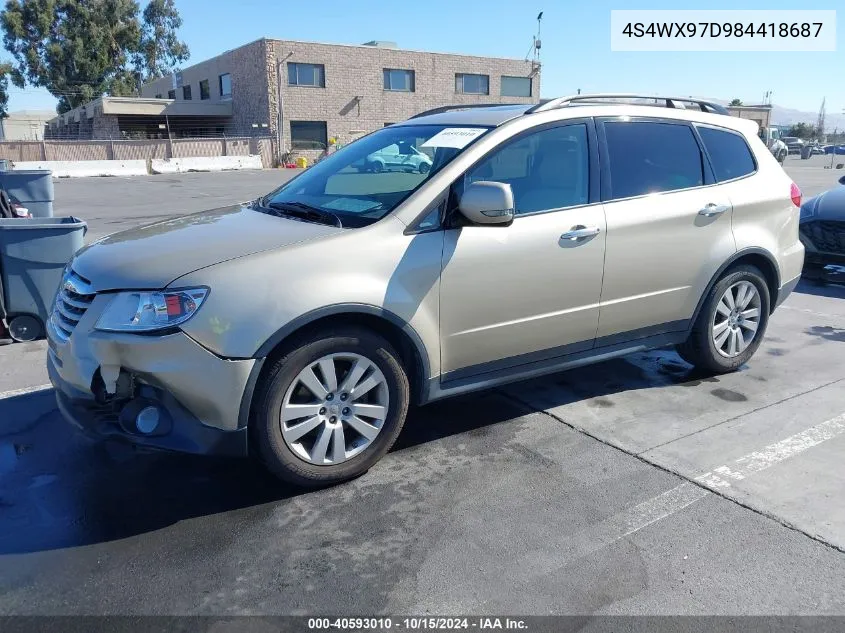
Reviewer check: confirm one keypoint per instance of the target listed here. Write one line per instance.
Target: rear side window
(729, 154)
(647, 157)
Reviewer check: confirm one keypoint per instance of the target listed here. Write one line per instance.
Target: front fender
(255, 298)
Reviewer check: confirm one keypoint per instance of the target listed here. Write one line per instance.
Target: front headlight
(141, 311)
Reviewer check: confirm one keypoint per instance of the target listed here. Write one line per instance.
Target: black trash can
(806, 152)
(33, 255)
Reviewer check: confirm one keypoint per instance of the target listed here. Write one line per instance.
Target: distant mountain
(790, 116)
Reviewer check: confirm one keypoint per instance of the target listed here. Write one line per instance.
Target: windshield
(364, 181)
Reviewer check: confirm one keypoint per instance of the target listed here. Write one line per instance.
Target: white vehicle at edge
(771, 137)
(397, 157)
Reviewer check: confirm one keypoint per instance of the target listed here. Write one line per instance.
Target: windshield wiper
(306, 212)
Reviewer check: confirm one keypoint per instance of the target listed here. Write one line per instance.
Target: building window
(225, 83)
(399, 80)
(307, 75)
(186, 93)
(171, 94)
(205, 93)
(472, 84)
(308, 135)
(516, 86)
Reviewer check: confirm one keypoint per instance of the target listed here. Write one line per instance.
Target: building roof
(146, 106)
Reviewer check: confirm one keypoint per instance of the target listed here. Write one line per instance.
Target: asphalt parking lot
(635, 486)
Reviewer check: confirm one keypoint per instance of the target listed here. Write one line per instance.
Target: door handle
(712, 209)
(580, 232)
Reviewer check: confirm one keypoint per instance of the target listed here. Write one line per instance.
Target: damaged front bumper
(165, 392)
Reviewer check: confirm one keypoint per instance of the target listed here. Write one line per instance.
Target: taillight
(795, 194)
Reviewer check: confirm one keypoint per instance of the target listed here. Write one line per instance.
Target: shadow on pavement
(60, 489)
(821, 289)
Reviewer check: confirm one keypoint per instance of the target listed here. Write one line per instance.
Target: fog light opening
(147, 420)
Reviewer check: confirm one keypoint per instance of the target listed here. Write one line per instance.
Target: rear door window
(651, 157)
(730, 156)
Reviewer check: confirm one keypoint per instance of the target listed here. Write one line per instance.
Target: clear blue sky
(576, 44)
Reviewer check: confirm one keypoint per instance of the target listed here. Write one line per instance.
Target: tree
(802, 130)
(736, 102)
(161, 51)
(6, 71)
(82, 49)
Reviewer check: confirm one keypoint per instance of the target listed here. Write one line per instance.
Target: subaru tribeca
(300, 327)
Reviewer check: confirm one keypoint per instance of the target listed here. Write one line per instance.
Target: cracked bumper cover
(199, 393)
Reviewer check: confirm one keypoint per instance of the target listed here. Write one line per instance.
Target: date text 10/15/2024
(417, 624)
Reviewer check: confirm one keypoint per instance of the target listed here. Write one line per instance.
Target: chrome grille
(73, 299)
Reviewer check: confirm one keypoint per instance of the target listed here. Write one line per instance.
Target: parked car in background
(298, 328)
(816, 149)
(793, 144)
(839, 150)
(823, 235)
(397, 157)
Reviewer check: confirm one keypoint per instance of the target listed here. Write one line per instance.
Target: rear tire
(721, 342)
(302, 459)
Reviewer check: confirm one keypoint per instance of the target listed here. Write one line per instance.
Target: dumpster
(33, 255)
(33, 188)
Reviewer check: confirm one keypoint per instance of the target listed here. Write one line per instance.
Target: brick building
(304, 94)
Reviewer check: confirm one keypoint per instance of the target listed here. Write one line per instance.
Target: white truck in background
(772, 138)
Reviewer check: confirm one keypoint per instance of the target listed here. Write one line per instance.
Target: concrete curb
(216, 163)
(87, 168)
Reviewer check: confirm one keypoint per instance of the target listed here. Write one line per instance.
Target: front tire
(731, 324)
(330, 407)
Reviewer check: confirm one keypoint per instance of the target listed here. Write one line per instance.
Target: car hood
(155, 255)
(826, 206)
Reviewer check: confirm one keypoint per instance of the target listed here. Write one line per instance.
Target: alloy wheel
(737, 319)
(334, 409)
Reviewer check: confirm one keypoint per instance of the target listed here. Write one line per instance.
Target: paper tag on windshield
(457, 137)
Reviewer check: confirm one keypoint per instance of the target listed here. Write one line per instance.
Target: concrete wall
(762, 115)
(25, 125)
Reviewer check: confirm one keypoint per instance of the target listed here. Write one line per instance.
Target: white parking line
(774, 453)
(634, 519)
(24, 391)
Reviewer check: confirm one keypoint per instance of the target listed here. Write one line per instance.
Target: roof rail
(668, 102)
(464, 106)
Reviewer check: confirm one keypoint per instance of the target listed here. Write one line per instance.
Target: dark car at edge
(822, 231)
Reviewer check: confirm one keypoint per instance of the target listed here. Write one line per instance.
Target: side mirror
(487, 203)
(842, 180)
